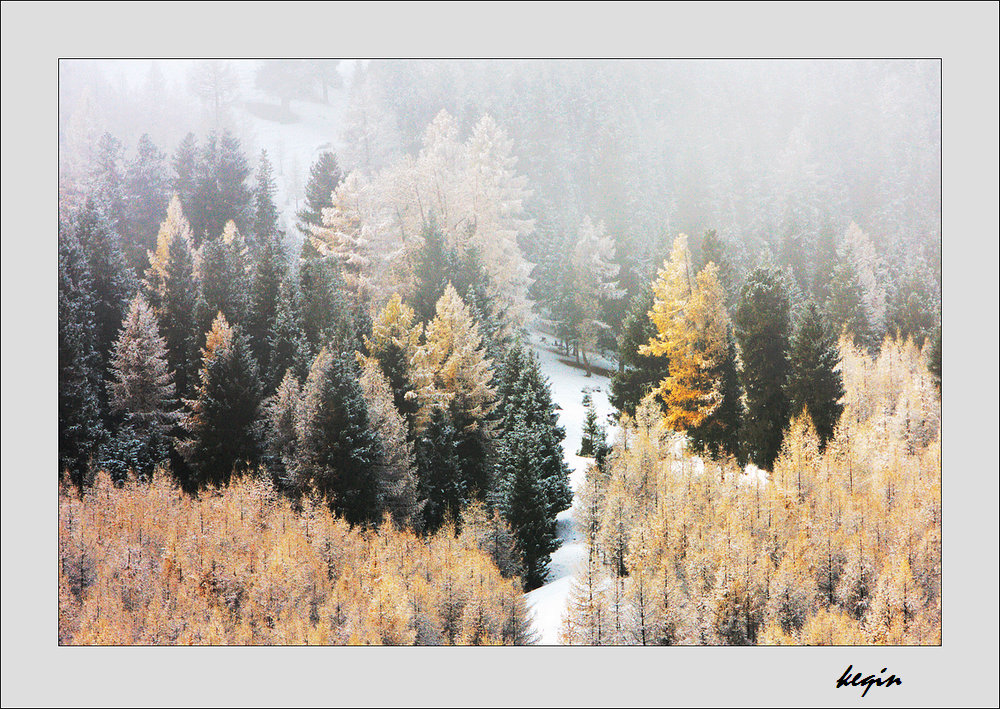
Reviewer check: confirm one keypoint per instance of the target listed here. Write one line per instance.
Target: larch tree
(594, 281)
(692, 330)
(762, 331)
(222, 420)
(173, 292)
(393, 344)
(815, 383)
(337, 451)
(142, 395)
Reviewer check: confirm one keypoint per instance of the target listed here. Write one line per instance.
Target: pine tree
(221, 193)
(111, 278)
(147, 185)
(327, 317)
(80, 426)
(173, 293)
(396, 473)
(324, 177)
(223, 271)
(185, 164)
(108, 183)
(762, 331)
(222, 420)
(281, 411)
(439, 469)
(393, 344)
(451, 370)
(934, 358)
(593, 442)
(814, 383)
(142, 395)
(846, 309)
(525, 502)
(269, 269)
(287, 345)
(337, 451)
(638, 373)
(265, 214)
(430, 271)
(719, 433)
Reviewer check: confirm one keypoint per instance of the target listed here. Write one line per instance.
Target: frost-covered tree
(396, 471)
(763, 331)
(223, 269)
(80, 426)
(638, 373)
(221, 421)
(393, 344)
(147, 185)
(265, 213)
(815, 383)
(280, 412)
(594, 280)
(845, 306)
(324, 177)
(337, 451)
(287, 345)
(142, 396)
(173, 293)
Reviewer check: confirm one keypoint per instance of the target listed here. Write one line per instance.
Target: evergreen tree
(814, 383)
(713, 250)
(222, 419)
(594, 441)
(224, 287)
(520, 460)
(762, 331)
(719, 434)
(112, 280)
(108, 183)
(845, 307)
(148, 188)
(324, 177)
(265, 213)
(451, 369)
(431, 271)
(221, 193)
(269, 269)
(524, 398)
(281, 411)
(337, 451)
(439, 470)
(327, 317)
(185, 164)
(396, 472)
(934, 358)
(638, 373)
(173, 293)
(80, 427)
(288, 348)
(911, 307)
(594, 281)
(142, 395)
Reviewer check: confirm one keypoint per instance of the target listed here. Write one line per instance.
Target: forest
(313, 317)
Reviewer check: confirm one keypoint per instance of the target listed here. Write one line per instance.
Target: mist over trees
(746, 254)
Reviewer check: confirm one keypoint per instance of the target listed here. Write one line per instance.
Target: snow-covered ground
(568, 383)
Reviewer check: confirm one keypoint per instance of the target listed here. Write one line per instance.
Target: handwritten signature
(867, 682)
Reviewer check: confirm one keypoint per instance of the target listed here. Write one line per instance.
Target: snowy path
(549, 601)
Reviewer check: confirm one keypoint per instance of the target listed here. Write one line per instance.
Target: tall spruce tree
(108, 183)
(112, 280)
(719, 434)
(324, 177)
(265, 213)
(638, 373)
(142, 395)
(147, 186)
(224, 283)
(221, 192)
(281, 410)
(762, 331)
(269, 269)
(814, 383)
(934, 358)
(173, 294)
(441, 480)
(287, 346)
(185, 164)
(337, 451)
(393, 344)
(525, 500)
(80, 426)
(846, 309)
(222, 420)
(431, 270)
